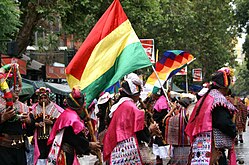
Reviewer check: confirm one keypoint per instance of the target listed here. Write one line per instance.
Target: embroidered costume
(210, 128)
(41, 133)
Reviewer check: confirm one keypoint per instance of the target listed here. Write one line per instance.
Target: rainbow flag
(110, 51)
(171, 63)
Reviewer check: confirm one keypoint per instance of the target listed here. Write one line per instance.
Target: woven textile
(147, 156)
(180, 155)
(201, 149)
(183, 138)
(221, 140)
(241, 115)
(172, 130)
(220, 100)
(126, 152)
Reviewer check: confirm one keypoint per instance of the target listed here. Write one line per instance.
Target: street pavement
(242, 149)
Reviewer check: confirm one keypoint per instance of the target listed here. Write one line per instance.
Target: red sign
(197, 74)
(55, 72)
(8, 60)
(148, 45)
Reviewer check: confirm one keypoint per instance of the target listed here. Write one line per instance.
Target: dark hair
(202, 101)
(76, 99)
(185, 102)
(125, 90)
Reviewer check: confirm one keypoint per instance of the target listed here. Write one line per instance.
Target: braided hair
(220, 80)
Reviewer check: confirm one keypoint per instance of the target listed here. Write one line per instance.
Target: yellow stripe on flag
(105, 53)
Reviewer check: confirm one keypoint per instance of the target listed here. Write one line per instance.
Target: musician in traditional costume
(15, 125)
(45, 113)
(104, 105)
(127, 128)
(211, 128)
(68, 134)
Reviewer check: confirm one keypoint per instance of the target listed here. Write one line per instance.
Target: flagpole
(187, 73)
(187, 78)
(161, 85)
(157, 55)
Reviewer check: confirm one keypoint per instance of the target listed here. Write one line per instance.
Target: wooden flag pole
(187, 78)
(91, 131)
(161, 85)
(157, 55)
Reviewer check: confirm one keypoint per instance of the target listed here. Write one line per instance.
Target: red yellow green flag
(111, 50)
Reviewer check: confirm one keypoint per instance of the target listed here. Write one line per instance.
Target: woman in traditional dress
(160, 110)
(211, 128)
(67, 136)
(127, 128)
(241, 116)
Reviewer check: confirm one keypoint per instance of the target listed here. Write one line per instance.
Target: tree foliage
(242, 80)
(207, 29)
(9, 21)
(204, 28)
(242, 15)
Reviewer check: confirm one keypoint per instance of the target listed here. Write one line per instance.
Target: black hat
(220, 79)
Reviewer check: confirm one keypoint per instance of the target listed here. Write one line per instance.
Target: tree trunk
(31, 19)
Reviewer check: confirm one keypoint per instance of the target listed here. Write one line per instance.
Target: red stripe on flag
(110, 20)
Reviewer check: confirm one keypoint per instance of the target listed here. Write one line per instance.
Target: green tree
(9, 22)
(241, 86)
(204, 28)
(242, 15)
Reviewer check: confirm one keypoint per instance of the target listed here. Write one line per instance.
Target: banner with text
(54, 72)
(148, 45)
(197, 74)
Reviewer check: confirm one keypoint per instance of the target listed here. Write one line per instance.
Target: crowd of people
(162, 129)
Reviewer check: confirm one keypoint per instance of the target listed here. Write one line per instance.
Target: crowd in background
(165, 128)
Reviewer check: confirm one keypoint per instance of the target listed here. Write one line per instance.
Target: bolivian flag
(111, 50)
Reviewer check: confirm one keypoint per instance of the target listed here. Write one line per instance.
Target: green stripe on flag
(133, 57)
